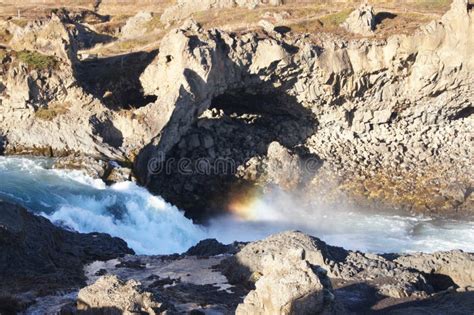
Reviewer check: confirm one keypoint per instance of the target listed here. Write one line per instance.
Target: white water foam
(146, 222)
(152, 226)
(74, 200)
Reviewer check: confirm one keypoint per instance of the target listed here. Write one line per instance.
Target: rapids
(150, 225)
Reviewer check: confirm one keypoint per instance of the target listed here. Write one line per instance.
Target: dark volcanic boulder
(210, 247)
(37, 256)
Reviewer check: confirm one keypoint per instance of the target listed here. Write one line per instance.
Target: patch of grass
(154, 23)
(219, 17)
(131, 44)
(5, 36)
(328, 23)
(37, 61)
(20, 22)
(402, 23)
(335, 19)
(52, 111)
(308, 26)
(432, 4)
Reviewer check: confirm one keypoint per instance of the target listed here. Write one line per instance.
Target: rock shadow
(2, 144)
(381, 16)
(116, 80)
(87, 38)
(111, 310)
(109, 133)
(357, 298)
(453, 303)
(216, 148)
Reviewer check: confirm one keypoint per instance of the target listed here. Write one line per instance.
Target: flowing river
(150, 225)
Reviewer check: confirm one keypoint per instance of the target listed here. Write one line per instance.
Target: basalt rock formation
(361, 21)
(47, 108)
(112, 296)
(388, 115)
(381, 120)
(339, 263)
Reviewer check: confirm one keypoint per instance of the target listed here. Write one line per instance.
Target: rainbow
(250, 206)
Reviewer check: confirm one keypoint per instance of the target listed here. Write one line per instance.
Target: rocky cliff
(389, 115)
(386, 120)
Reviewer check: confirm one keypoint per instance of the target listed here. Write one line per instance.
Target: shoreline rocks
(289, 285)
(41, 258)
(288, 273)
(112, 296)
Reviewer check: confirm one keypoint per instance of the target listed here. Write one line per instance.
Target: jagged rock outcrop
(397, 109)
(339, 263)
(49, 37)
(361, 21)
(45, 108)
(42, 258)
(136, 26)
(113, 296)
(210, 247)
(457, 265)
(283, 168)
(289, 285)
(109, 171)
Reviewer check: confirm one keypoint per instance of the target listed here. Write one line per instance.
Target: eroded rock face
(114, 296)
(44, 106)
(339, 263)
(136, 25)
(198, 67)
(361, 21)
(384, 114)
(48, 37)
(387, 109)
(289, 285)
(457, 265)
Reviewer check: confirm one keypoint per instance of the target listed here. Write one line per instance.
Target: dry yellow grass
(302, 17)
(52, 111)
(154, 24)
(5, 36)
(3, 54)
(326, 16)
